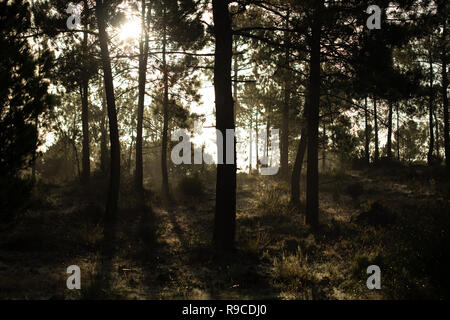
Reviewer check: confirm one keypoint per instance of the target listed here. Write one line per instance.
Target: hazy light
(130, 30)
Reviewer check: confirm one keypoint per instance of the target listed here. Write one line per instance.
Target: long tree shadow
(100, 286)
(205, 273)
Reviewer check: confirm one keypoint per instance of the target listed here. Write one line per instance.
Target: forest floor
(399, 220)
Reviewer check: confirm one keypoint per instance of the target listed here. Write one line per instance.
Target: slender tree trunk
(130, 151)
(165, 138)
(398, 133)
(75, 150)
(430, 114)
(298, 164)
(251, 142)
(257, 141)
(438, 147)
(297, 170)
(367, 134)
(34, 156)
(284, 161)
(84, 90)
(86, 163)
(143, 58)
(377, 148)
(389, 137)
(445, 97)
(312, 180)
(113, 193)
(266, 146)
(325, 144)
(225, 215)
(236, 77)
(77, 160)
(103, 140)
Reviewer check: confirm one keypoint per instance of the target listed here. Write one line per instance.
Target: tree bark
(430, 114)
(438, 147)
(114, 185)
(34, 156)
(104, 160)
(236, 76)
(225, 211)
(325, 144)
(251, 143)
(143, 58)
(165, 139)
(297, 170)
(84, 90)
(444, 96)
(284, 159)
(398, 133)
(257, 141)
(366, 132)
(377, 148)
(312, 180)
(389, 136)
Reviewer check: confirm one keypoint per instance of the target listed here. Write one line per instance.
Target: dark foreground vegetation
(395, 217)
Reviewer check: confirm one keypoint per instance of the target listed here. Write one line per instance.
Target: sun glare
(130, 30)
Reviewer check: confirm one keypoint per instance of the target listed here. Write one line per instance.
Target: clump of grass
(360, 263)
(274, 200)
(100, 281)
(291, 267)
(257, 243)
(292, 274)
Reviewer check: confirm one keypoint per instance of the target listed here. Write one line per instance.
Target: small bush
(191, 187)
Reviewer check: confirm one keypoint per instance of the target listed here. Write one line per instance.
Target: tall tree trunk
(366, 133)
(389, 136)
(325, 144)
(114, 185)
(251, 143)
(430, 114)
(34, 156)
(297, 170)
(236, 76)
(444, 95)
(298, 164)
(104, 161)
(143, 58)
(266, 145)
(375, 115)
(438, 146)
(398, 133)
(312, 180)
(257, 141)
(284, 161)
(84, 90)
(225, 211)
(77, 160)
(165, 138)
(130, 151)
